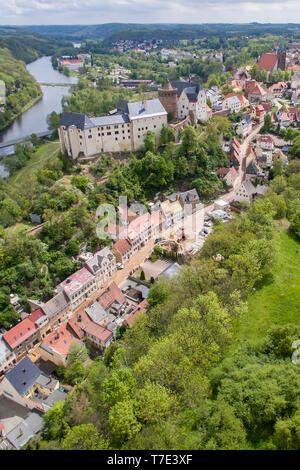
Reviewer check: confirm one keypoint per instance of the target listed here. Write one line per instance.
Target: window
(109, 133)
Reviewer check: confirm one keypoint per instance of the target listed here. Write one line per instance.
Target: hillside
(21, 88)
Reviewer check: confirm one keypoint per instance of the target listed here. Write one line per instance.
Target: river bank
(23, 110)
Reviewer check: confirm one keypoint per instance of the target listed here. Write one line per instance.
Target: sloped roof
(145, 108)
(267, 62)
(76, 281)
(23, 376)
(19, 333)
(98, 331)
(55, 305)
(112, 294)
(122, 245)
(95, 263)
(192, 89)
(75, 119)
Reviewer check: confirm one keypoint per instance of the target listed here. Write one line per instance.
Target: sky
(29, 12)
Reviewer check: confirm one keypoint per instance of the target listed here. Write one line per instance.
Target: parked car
(205, 231)
(202, 233)
(207, 224)
(207, 219)
(120, 265)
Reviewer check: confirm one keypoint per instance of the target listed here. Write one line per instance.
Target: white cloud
(141, 11)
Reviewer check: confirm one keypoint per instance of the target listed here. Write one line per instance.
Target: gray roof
(56, 396)
(171, 270)
(139, 109)
(23, 376)
(191, 89)
(190, 196)
(110, 120)
(249, 187)
(55, 305)
(25, 430)
(75, 119)
(95, 263)
(96, 312)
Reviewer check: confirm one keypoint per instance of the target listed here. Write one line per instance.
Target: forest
(21, 88)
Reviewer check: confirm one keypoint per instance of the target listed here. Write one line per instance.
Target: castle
(184, 99)
(123, 130)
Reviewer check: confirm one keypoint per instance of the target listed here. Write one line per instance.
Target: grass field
(278, 301)
(44, 153)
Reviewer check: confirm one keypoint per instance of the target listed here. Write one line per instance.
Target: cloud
(150, 11)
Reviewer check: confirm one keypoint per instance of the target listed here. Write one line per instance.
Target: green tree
(84, 437)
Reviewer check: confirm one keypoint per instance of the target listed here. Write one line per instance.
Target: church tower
(281, 54)
(168, 98)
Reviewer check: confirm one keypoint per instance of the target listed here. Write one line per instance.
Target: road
(190, 224)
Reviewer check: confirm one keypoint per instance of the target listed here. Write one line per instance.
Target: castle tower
(168, 98)
(281, 54)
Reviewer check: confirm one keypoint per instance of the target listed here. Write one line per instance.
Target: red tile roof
(35, 315)
(112, 294)
(98, 331)
(122, 246)
(223, 172)
(60, 340)
(141, 308)
(78, 322)
(267, 62)
(20, 333)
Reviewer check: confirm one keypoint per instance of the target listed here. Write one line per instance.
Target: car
(202, 233)
(205, 231)
(207, 219)
(120, 265)
(207, 224)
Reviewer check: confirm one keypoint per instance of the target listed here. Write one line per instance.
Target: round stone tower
(168, 98)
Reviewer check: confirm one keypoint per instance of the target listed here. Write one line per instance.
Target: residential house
(102, 265)
(247, 191)
(254, 91)
(258, 113)
(265, 142)
(26, 385)
(99, 336)
(17, 437)
(113, 300)
(232, 103)
(173, 212)
(55, 346)
(79, 286)
(277, 89)
(7, 356)
(229, 175)
(57, 310)
(22, 337)
(123, 250)
(244, 127)
(131, 318)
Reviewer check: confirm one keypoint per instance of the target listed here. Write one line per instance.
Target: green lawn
(43, 154)
(278, 301)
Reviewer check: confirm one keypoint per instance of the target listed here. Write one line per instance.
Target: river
(34, 120)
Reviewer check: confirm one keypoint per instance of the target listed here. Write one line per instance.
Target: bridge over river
(10, 143)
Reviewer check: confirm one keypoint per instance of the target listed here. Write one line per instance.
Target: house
(229, 175)
(268, 62)
(232, 103)
(102, 265)
(98, 314)
(244, 127)
(277, 89)
(258, 113)
(255, 92)
(79, 286)
(7, 356)
(22, 337)
(131, 318)
(245, 192)
(183, 99)
(113, 300)
(57, 310)
(26, 385)
(241, 76)
(122, 250)
(125, 130)
(234, 158)
(17, 437)
(252, 171)
(173, 212)
(190, 201)
(100, 336)
(221, 204)
(55, 346)
(265, 142)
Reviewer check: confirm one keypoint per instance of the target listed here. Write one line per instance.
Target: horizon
(72, 12)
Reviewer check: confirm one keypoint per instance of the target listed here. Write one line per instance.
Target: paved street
(192, 224)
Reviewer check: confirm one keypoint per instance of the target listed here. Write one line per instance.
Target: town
(148, 228)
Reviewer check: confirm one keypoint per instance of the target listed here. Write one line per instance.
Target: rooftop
(23, 376)
(59, 340)
(76, 281)
(20, 333)
(103, 334)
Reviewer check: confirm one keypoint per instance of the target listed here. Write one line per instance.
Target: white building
(102, 265)
(79, 286)
(7, 356)
(123, 131)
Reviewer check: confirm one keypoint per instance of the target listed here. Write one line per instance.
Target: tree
(10, 212)
(84, 437)
(155, 403)
(142, 276)
(149, 142)
(189, 140)
(287, 433)
(123, 423)
(267, 122)
(281, 210)
(295, 224)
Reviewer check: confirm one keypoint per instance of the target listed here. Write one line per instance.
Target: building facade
(125, 130)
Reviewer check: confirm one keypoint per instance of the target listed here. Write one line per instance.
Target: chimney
(144, 105)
